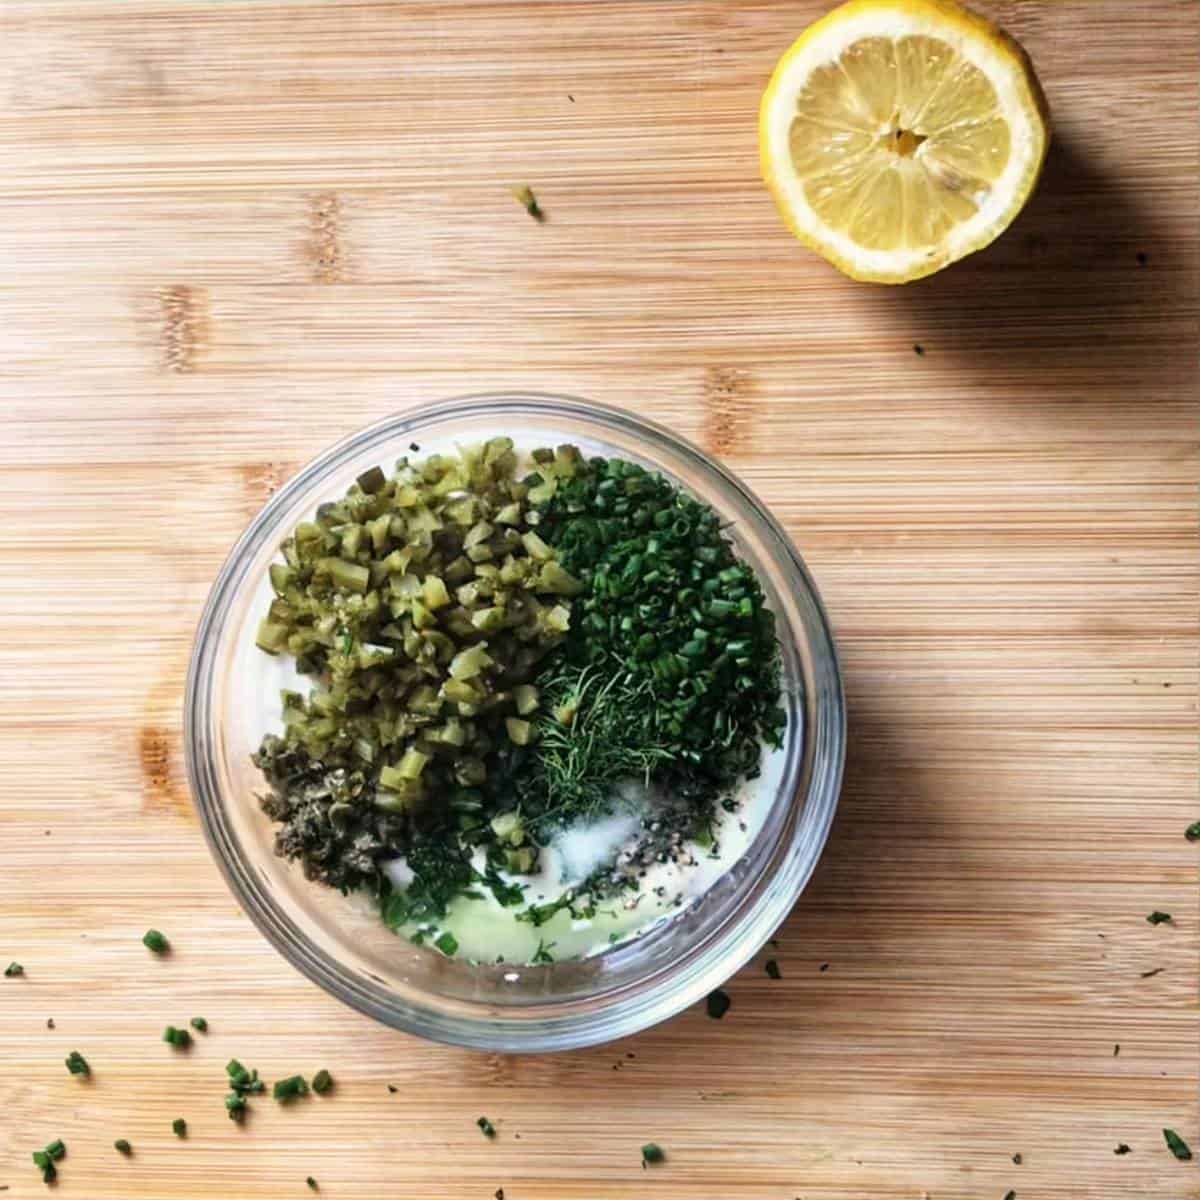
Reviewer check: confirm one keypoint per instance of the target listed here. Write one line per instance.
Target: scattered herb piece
(312, 1183)
(489, 1130)
(1122, 1148)
(1192, 832)
(718, 1004)
(772, 969)
(1010, 1195)
(57, 1149)
(1151, 974)
(155, 941)
(919, 350)
(179, 1127)
(414, 447)
(1177, 1145)
(322, 1082)
(1116, 1049)
(45, 1159)
(235, 1106)
(528, 200)
(179, 1038)
(447, 944)
(121, 1146)
(542, 955)
(13, 970)
(289, 1088)
(392, 1088)
(77, 1064)
(824, 967)
(652, 1152)
(1017, 1159)
(199, 1024)
(1157, 918)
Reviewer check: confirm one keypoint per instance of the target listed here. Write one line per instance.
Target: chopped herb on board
(322, 1082)
(652, 1152)
(179, 1127)
(121, 1146)
(1157, 918)
(179, 1038)
(155, 941)
(290, 1088)
(1116, 1049)
(77, 1064)
(199, 1024)
(1192, 832)
(489, 1130)
(1151, 974)
(528, 201)
(312, 1183)
(717, 1004)
(45, 1159)
(13, 970)
(772, 969)
(1122, 1148)
(1177, 1145)
(1010, 1195)
(1017, 1159)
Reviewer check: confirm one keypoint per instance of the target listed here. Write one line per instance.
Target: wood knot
(162, 786)
(325, 245)
(180, 324)
(730, 409)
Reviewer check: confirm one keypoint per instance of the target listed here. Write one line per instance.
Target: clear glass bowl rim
(822, 759)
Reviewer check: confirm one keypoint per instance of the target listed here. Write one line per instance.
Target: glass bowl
(341, 943)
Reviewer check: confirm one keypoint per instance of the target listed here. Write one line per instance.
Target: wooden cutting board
(232, 233)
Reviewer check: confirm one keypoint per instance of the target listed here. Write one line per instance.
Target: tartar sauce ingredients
(421, 605)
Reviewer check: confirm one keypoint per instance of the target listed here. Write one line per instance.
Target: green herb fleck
(179, 1127)
(45, 1159)
(155, 941)
(1017, 1159)
(1157, 918)
(1122, 1148)
(652, 1152)
(312, 1183)
(718, 1004)
(57, 1149)
(121, 1146)
(542, 955)
(447, 944)
(322, 1082)
(77, 1064)
(13, 970)
(772, 969)
(179, 1038)
(528, 201)
(489, 1130)
(1192, 832)
(1177, 1145)
(199, 1024)
(289, 1088)
(235, 1106)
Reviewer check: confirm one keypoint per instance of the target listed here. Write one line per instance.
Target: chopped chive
(44, 1161)
(155, 941)
(121, 1146)
(528, 201)
(1177, 1145)
(392, 1088)
(489, 1130)
(1122, 1148)
(290, 1088)
(1152, 973)
(322, 1082)
(199, 1024)
(652, 1152)
(57, 1149)
(718, 1004)
(14, 969)
(77, 1064)
(235, 1106)
(772, 969)
(447, 944)
(179, 1038)
(1157, 917)
(1192, 832)
(1010, 1195)
(312, 1183)
(179, 1127)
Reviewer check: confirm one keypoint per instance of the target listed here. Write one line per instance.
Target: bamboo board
(234, 232)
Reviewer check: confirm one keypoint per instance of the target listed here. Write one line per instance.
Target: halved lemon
(900, 135)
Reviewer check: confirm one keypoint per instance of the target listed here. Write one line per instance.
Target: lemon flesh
(900, 135)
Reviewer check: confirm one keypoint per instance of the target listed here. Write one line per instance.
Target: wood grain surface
(234, 232)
